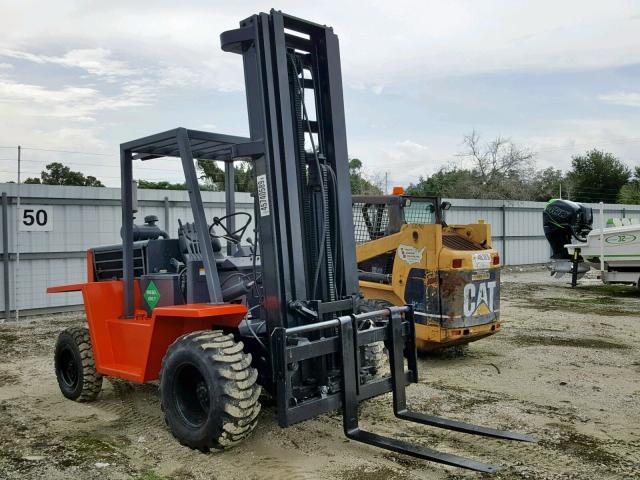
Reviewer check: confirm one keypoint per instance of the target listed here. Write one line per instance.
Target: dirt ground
(566, 368)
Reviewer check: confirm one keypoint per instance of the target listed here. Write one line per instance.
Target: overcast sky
(557, 76)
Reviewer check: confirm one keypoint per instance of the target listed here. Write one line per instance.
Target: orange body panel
(133, 348)
(90, 271)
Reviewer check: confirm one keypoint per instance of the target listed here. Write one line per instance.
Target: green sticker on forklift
(152, 295)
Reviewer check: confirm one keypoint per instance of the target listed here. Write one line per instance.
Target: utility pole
(560, 190)
(386, 182)
(17, 268)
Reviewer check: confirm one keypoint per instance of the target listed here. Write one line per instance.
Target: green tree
(244, 177)
(496, 169)
(452, 182)
(630, 193)
(163, 185)
(213, 176)
(597, 176)
(360, 184)
(500, 168)
(546, 184)
(58, 174)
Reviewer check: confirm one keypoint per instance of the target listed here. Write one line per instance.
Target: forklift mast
(303, 188)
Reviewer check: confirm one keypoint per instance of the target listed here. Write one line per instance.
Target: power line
(83, 164)
(582, 145)
(143, 167)
(68, 151)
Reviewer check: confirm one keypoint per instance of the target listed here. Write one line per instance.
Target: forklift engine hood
(455, 299)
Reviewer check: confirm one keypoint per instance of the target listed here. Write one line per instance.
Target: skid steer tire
(375, 354)
(208, 390)
(447, 353)
(75, 366)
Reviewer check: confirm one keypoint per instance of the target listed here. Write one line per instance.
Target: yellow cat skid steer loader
(407, 254)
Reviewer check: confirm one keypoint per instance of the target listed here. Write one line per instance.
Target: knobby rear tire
(75, 366)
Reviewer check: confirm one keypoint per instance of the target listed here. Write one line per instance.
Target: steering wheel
(236, 235)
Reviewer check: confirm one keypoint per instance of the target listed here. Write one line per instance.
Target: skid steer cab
(281, 315)
(450, 274)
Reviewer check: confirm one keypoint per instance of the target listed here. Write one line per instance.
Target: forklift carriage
(281, 314)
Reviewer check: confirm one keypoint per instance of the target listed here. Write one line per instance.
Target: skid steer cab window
(419, 211)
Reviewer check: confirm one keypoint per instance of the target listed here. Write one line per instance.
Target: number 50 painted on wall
(35, 218)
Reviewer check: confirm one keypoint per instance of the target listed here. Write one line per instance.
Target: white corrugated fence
(66, 221)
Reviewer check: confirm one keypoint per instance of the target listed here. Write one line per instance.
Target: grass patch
(89, 446)
(598, 300)
(371, 472)
(12, 463)
(405, 461)
(151, 475)
(585, 447)
(7, 342)
(599, 305)
(86, 448)
(8, 378)
(619, 291)
(457, 399)
(8, 337)
(553, 341)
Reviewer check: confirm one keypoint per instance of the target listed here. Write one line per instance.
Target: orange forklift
(281, 314)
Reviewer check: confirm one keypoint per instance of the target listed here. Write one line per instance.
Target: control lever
(176, 264)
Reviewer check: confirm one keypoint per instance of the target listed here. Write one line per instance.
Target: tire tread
(91, 379)
(239, 390)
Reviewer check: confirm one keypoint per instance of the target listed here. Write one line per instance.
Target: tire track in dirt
(140, 418)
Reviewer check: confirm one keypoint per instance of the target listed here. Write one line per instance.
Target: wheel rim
(68, 368)
(191, 395)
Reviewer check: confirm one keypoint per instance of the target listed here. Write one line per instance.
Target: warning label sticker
(410, 254)
(481, 261)
(152, 295)
(263, 195)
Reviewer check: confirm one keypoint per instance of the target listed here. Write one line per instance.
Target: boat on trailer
(615, 250)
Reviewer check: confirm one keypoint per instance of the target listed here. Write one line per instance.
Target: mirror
(445, 205)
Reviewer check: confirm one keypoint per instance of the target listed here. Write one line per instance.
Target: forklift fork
(398, 345)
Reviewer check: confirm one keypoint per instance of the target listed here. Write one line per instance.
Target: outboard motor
(563, 221)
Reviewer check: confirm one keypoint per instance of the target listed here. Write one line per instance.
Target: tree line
(497, 169)
(500, 169)
(211, 178)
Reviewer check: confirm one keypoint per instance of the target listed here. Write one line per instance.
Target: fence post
(504, 234)
(166, 215)
(624, 212)
(5, 255)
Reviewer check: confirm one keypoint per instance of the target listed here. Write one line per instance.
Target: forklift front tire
(375, 354)
(75, 366)
(208, 390)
